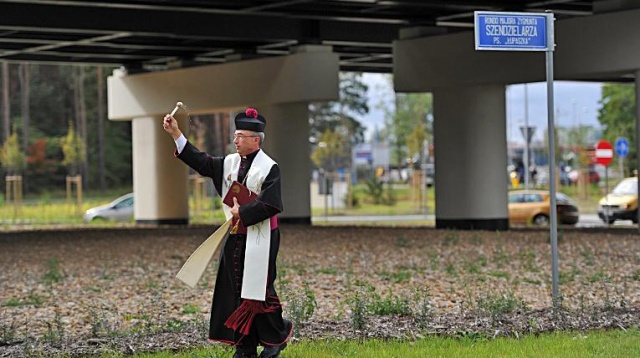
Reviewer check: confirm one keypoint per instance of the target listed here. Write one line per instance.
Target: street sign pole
(553, 230)
(520, 31)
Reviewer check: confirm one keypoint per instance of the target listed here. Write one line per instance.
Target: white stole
(256, 257)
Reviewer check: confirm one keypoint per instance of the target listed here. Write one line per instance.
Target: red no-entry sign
(604, 152)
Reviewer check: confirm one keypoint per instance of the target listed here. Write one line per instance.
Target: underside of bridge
(148, 35)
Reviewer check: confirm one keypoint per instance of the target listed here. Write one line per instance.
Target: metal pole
(606, 191)
(526, 138)
(552, 165)
(638, 136)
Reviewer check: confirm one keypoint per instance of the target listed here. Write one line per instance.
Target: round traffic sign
(622, 147)
(604, 152)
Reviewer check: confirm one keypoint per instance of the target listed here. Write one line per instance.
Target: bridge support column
(287, 142)
(471, 158)
(160, 181)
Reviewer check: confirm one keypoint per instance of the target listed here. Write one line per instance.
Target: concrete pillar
(287, 142)
(471, 158)
(278, 87)
(160, 181)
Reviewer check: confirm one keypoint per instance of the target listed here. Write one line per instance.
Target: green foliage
(617, 116)
(301, 306)
(11, 156)
(376, 192)
(190, 308)
(390, 304)
(341, 116)
(413, 114)
(73, 149)
(329, 152)
(358, 303)
(51, 98)
(497, 304)
(53, 274)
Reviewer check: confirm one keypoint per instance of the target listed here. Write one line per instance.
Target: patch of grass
(500, 257)
(468, 344)
(451, 270)
(388, 305)
(423, 311)
(32, 299)
(528, 260)
(636, 275)
(434, 261)
(599, 276)
(327, 271)
(53, 274)
(497, 304)
(402, 241)
(190, 308)
(565, 277)
(498, 274)
(587, 254)
(301, 306)
(395, 277)
(450, 239)
(357, 303)
(531, 281)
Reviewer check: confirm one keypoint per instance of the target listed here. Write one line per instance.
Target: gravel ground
(84, 291)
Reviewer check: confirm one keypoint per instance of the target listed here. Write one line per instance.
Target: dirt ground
(79, 290)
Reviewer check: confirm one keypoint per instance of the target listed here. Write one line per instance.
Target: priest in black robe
(246, 311)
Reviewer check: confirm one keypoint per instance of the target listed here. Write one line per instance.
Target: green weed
(53, 274)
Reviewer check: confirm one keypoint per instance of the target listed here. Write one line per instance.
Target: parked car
(430, 174)
(120, 209)
(621, 203)
(570, 176)
(533, 207)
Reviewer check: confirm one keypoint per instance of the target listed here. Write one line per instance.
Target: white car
(120, 209)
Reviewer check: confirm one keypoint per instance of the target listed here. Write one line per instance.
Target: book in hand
(241, 193)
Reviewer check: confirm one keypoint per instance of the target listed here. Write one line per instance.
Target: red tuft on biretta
(250, 120)
(251, 113)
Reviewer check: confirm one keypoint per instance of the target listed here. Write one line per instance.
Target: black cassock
(234, 320)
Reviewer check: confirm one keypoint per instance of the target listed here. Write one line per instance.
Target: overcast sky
(576, 103)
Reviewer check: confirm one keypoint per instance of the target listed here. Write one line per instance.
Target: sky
(576, 103)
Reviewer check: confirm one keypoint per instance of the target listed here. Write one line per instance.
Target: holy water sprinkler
(178, 106)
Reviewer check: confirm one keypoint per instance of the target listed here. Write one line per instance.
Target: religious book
(241, 193)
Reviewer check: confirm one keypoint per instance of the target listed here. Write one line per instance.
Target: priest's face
(246, 142)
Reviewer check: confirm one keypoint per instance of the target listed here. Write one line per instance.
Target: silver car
(120, 209)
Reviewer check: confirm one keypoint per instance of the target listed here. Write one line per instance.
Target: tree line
(54, 124)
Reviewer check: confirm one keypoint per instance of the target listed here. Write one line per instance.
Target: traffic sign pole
(520, 31)
(604, 156)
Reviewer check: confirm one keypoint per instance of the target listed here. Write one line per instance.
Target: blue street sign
(622, 147)
(513, 31)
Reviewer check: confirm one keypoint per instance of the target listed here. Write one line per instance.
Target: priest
(246, 310)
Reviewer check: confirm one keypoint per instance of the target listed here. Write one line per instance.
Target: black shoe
(272, 351)
(245, 353)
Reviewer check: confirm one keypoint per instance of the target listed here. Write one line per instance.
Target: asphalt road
(586, 220)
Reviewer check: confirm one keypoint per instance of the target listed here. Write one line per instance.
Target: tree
(617, 116)
(341, 116)
(73, 149)
(11, 156)
(6, 104)
(329, 151)
(411, 111)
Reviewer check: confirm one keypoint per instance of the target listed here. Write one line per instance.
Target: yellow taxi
(533, 207)
(621, 203)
